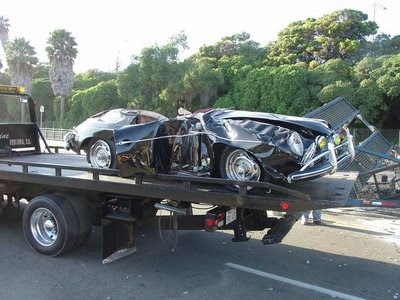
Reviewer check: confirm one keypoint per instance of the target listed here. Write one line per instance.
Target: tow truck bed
(68, 171)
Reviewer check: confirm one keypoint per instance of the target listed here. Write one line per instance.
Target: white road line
(293, 282)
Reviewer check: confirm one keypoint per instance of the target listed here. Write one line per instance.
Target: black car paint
(95, 127)
(193, 144)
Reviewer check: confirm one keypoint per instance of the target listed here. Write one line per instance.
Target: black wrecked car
(236, 145)
(95, 135)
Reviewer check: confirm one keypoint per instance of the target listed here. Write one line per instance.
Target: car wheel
(101, 154)
(237, 164)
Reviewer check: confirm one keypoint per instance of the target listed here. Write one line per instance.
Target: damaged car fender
(135, 147)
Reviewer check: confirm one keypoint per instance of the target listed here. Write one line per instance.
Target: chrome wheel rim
(240, 166)
(100, 155)
(44, 227)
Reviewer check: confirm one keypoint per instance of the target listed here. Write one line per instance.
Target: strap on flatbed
(392, 203)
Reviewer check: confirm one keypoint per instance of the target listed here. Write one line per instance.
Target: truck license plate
(230, 216)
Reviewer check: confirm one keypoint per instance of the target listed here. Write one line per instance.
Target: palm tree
(62, 53)
(4, 25)
(21, 59)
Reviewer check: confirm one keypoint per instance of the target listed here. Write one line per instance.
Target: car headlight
(337, 139)
(68, 136)
(296, 144)
(340, 137)
(321, 141)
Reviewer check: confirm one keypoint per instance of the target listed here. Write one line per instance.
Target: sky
(107, 31)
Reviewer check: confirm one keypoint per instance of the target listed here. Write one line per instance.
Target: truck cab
(19, 132)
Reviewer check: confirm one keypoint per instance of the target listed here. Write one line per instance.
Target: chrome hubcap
(100, 155)
(240, 166)
(44, 227)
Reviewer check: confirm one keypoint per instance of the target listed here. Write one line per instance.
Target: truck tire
(82, 211)
(50, 225)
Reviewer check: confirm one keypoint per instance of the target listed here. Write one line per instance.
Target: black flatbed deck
(70, 171)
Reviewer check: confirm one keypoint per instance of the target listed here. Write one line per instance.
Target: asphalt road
(355, 255)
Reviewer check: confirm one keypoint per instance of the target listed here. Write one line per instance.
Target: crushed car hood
(291, 122)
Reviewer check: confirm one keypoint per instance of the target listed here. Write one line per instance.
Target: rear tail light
(215, 219)
(284, 206)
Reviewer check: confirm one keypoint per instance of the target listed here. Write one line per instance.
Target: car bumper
(70, 142)
(310, 171)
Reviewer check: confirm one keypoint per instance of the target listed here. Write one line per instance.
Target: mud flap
(118, 240)
(280, 229)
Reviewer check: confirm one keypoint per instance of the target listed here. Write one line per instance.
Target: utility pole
(376, 7)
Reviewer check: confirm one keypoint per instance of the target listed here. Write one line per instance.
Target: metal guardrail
(55, 134)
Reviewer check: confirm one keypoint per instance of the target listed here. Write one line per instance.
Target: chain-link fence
(54, 134)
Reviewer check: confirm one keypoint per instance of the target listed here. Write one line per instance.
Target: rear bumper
(309, 171)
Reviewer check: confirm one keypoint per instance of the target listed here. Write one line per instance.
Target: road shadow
(352, 229)
(195, 269)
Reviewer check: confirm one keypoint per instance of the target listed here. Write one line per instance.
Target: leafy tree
(336, 89)
(21, 59)
(388, 76)
(334, 70)
(154, 80)
(201, 82)
(382, 44)
(129, 83)
(231, 54)
(159, 66)
(337, 35)
(42, 93)
(62, 53)
(369, 99)
(91, 78)
(238, 44)
(225, 101)
(271, 89)
(5, 79)
(215, 69)
(372, 85)
(83, 104)
(41, 70)
(330, 80)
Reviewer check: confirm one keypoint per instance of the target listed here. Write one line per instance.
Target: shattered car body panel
(285, 147)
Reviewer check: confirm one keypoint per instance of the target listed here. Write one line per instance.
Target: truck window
(13, 110)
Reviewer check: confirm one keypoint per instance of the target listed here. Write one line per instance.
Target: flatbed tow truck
(66, 197)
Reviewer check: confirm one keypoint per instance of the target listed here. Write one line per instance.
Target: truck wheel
(101, 154)
(50, 225)
(84, 217)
